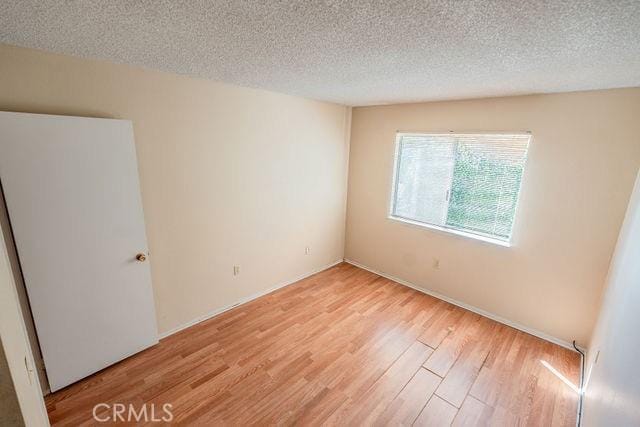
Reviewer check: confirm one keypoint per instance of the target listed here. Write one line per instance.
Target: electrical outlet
(236, 270)
(307, 250)
(436, 263)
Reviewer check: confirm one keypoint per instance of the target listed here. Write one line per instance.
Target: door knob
(141, 257)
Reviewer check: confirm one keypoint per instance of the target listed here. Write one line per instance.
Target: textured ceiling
(351, 52)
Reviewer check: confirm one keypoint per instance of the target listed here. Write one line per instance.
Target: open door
(72, 192)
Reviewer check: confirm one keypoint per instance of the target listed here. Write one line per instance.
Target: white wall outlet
(236, 270)
(307, 250)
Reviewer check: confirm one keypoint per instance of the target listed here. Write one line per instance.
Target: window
(464, 183)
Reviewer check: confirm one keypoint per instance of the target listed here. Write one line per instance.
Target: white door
(72, 192)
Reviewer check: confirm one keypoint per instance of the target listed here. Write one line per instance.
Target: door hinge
(29, 370)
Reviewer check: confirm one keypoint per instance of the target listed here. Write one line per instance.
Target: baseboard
(466, 306)
(244, 300)
(434, 294)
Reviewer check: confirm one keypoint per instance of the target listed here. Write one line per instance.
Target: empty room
(339, 213)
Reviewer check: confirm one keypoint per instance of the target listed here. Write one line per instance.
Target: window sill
(452, 231)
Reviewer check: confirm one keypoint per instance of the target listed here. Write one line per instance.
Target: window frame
(475, 236)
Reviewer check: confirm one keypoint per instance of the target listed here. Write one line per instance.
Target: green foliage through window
(463, 182)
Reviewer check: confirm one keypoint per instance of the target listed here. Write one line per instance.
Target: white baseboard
(434, 294)
(244, 300)
(477, 310)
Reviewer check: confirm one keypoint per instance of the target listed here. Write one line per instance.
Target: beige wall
(612, 396)
(580, 170)
(229, 175)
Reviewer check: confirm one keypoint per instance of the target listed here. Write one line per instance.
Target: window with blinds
(467, 183)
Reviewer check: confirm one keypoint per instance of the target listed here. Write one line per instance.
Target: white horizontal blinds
(486, 183)
(459, 181)
(424, 169)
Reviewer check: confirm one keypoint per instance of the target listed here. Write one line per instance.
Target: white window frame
(394, 186)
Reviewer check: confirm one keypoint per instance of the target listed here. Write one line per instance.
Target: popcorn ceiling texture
(351, 52)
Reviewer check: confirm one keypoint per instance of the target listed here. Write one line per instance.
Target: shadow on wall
(47, 109)
(10, 414)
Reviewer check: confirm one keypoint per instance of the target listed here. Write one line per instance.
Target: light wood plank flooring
(342, 347)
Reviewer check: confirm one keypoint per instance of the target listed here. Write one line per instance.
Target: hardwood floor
(342, 347)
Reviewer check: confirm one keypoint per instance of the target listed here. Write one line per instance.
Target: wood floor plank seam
(402, 389)
(389, 367)
(422, 409)
(442, 415)
(467, 391)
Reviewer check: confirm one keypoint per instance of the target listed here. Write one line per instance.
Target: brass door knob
(141, 257)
